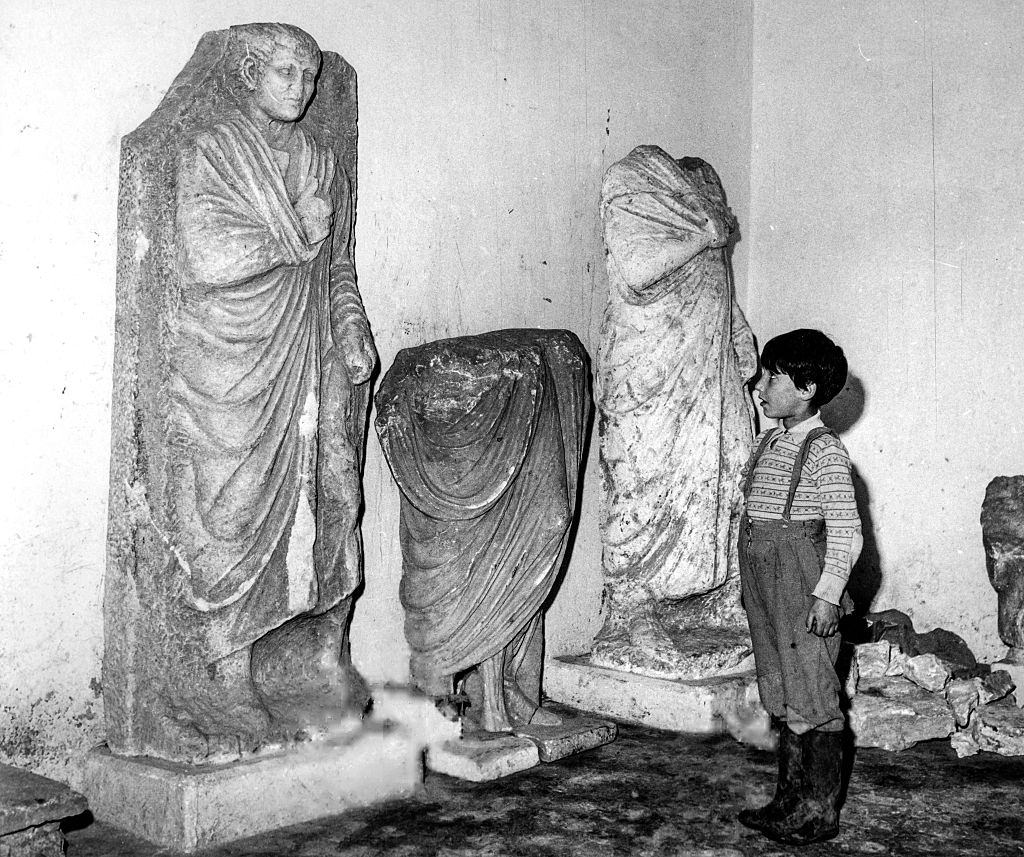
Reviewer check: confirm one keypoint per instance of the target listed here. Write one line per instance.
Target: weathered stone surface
(897, 714)
(928, 671)
(898, 628)
(1002, 533)
(187, 807)
(1001, 728)
(481, 756)
(963, 696)
(708, 706)
(572, 735)
(29, 800)
(1016, 673)
(696, 653)
(871, 665)
(965, 743)
(675, 418)
(996, 685)
(46, 840)
(484, 437)
(241, 359)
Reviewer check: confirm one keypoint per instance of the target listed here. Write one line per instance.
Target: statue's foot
(312, 704)
(544, 717)
(523, 711)
(302, 679)
(642, 645)
(179, 738)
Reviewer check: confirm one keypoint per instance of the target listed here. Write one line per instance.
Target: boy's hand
(823, 618)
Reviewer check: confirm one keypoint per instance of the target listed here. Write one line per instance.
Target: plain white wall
(485, 128)
(888, 192)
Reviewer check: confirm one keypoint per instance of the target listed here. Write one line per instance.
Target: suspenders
(798, 465)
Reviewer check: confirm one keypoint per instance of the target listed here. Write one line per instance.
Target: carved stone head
(273, 69)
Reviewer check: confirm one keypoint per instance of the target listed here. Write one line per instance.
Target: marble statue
(675, 419)
(1002, 527)
(484, 437)
(242, 359)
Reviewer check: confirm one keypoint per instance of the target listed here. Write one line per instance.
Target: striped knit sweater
(825, 491)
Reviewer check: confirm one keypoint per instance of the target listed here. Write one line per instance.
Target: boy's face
(782, 400)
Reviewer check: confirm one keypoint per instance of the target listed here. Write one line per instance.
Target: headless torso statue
(250, 412)
(675, 420)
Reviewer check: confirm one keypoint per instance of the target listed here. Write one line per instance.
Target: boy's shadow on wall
(866, 579)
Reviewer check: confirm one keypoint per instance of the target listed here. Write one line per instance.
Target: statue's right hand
(315, 216)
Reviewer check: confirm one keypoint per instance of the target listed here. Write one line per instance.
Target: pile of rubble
(906, 687)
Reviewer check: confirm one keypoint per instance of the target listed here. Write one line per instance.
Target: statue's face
(284, 88)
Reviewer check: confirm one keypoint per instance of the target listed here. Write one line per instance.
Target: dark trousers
(780, 563)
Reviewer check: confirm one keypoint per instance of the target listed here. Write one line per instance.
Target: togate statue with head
(242, 358)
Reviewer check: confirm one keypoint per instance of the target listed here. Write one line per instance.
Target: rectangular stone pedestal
(705, 706)
(187, 808)
(481, 756)
(573, 735)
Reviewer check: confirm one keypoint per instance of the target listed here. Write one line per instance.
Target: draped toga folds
(260, 414)
(484, 437)
(675, 352)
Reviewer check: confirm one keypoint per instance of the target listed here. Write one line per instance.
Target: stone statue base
(693, 638)
(726, 703)
(479, 756)
(186, 808)
(699, 653)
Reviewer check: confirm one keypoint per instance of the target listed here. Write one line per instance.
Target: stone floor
(657, 793)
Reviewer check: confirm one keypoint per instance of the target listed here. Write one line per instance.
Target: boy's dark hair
(808, 357)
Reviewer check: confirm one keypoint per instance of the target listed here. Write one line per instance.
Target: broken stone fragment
(966, 742)
(1016, 673)
(872, 661)
(1001, 728)
(928, 671)
(963, 695)
(897, 628)
(995, 686)
(897, 714)
(852, 673)
(897, 661)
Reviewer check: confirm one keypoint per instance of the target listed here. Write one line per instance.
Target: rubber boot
(787, 788)
(815, 814)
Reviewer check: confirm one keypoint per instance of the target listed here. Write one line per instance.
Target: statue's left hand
(354, 346)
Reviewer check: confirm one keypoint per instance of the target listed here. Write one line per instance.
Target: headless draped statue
(484, 437)
(242, 360)
(675, 419)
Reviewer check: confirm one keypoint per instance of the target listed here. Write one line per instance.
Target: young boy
(799, 537)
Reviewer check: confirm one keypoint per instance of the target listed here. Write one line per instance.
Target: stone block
(680, 705)
(481, 756)
(46, 840)
(898, 715)
(28, 800)
(1001, 728)
(188, 807)
(31, 809)
(995, 686)
(872, 663)
(572, 735)
(928, 671)
(1016, 673)
(963, 695)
